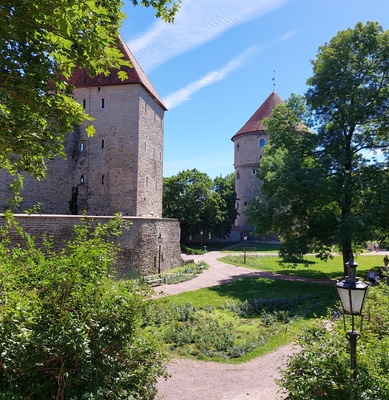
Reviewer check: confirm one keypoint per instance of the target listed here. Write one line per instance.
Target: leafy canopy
(42, 41)
(325, 184)
(199, 203)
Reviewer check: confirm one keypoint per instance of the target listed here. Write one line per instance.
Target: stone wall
(150, 246)
(119, 169)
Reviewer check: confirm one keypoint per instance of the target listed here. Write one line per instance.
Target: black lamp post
(244, 248)
(159, 253)
(352, 293)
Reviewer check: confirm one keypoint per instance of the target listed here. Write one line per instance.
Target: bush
(321, 370)
(184, 273)
(67, 330)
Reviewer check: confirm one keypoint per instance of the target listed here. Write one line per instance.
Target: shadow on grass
(317, 297)
(253, 247)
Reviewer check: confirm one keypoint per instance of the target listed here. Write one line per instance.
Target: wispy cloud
(197, 22)
(288, 35)
(180, 96)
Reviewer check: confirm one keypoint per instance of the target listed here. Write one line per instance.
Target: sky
(220, 60)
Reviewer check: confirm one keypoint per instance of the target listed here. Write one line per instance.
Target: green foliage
(42, 42)
(321, 368)
(225, 186)
(199, 203)
(165, 9)
(293, 194)
(190, 250)
(67, 329)
(185, 273)
(238, 320)
(320, 189)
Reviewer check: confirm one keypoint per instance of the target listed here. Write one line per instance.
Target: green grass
(240, 320)
(254, 247)
(312, 267)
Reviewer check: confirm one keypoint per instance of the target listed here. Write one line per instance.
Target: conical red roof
(255, 123)
(80, 77)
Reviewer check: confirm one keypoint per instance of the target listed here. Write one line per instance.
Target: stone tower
(249, 144)
(120, 168)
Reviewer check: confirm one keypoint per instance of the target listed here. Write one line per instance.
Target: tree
(68, 330)
(349, 101)
(225, 186)
(294, 189)
(42, 41)
(199, 203)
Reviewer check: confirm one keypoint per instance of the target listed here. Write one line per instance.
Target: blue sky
(215, 65)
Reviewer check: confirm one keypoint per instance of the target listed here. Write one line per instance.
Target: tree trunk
(347, 253)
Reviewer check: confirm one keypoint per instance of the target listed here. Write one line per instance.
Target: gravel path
(195, 380)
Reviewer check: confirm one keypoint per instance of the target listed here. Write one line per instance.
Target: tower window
(237, 175)
(84, 103)
(82, 146)
(254, 171)
(102, 144)
(262, 142)
(102, 103)
(237, 146)
(102, 179)
(82, 180)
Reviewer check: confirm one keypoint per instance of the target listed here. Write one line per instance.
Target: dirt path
(194, 380)
(254, 380)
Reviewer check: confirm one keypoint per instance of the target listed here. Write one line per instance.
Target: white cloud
(180, 96)
(197, 22)
(288, 35)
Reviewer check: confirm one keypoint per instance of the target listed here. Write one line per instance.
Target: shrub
(321, 370)
(67, 330)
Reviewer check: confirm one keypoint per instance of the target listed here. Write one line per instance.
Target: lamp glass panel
(352, 300)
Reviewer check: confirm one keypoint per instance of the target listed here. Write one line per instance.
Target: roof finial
(274, 81)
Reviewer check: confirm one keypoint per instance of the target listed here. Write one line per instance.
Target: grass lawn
(312, 267)
(254, 247)
(240, 320)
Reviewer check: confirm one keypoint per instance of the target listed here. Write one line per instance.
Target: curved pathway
(196, 380)
(219, 273)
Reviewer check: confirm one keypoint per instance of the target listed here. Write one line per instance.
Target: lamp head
(352, 292)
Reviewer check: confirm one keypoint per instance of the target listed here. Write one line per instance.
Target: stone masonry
(119, 169)
(148, 246)
(249, 147)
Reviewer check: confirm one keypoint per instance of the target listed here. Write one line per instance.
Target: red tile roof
(135, 75)
(255, 123)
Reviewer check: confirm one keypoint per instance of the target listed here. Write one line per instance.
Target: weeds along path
(196, 380)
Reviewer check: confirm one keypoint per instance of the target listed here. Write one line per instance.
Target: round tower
(249, 145)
